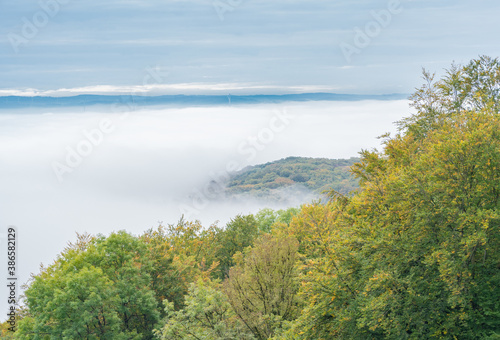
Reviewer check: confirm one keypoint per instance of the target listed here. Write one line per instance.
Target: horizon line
(13, 102)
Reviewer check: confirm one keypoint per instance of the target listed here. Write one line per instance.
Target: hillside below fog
(306, 177)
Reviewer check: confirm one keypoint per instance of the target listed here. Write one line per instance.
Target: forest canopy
(414, 253)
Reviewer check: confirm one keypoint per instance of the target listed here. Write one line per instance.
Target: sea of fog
(94, 170)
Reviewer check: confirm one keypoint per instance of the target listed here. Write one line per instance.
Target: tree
(438, 199)
(331, 272)
(414, 254)
(238, 234)
(207, 315)
(96, 290)
(262, 286)
(436, 231)
(181, 253)
(81, 305)
(266, 218)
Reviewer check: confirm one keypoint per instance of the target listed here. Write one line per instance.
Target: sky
(65, 47)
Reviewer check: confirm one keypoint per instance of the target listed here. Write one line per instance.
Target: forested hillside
(316, 175)
(414, 254)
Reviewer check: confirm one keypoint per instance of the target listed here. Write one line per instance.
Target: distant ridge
(196, 100)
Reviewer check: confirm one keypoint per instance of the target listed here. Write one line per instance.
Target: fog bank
(98, 172)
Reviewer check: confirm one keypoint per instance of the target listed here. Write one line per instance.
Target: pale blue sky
(259, 46)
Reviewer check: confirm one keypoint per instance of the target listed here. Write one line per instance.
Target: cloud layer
(145, 166)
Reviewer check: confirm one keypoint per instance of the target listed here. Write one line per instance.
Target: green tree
(207, 315)
(238, 234)
(181, 253)
(262, 286)
(266, 218)
(96, 290)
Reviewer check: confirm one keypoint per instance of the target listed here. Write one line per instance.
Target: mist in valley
(99, 171)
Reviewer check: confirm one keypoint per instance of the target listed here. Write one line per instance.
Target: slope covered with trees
(316, 175)
(413, 254)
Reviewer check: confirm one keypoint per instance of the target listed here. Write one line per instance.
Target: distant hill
(196, 100)
(293, 176)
